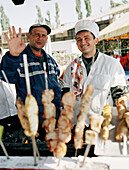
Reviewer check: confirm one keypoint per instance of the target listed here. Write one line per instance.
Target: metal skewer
(124, 145)
(35, 149)
(85, 154)
(3, 147)
(1, 143)
(44, 66)
(5, 77)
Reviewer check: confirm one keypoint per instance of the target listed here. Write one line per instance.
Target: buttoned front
(106, 72)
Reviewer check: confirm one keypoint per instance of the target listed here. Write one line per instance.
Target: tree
(40, 18)
(48, 21)
(78, 9)
(114, 4)
(4, 20)
(57, 15)
(88, 7)
(124, 1)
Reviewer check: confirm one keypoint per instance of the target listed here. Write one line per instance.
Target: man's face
(37, 38)
(86, 43)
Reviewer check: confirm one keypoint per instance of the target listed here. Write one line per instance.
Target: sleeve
(9, 65)
(118, 75)
(117, 92)
(119, 86)
(67, 79)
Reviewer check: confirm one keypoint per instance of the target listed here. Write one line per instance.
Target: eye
(78, 40)
(44, 36)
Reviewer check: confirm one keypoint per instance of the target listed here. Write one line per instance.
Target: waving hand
(15, 43)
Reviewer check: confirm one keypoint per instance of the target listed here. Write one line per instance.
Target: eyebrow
(83, 36)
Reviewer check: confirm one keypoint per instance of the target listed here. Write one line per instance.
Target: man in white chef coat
(93, 67)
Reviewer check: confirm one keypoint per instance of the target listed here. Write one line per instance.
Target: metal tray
(111, 147)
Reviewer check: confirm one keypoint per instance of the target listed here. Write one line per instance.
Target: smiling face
(86, 43)
(37, 39)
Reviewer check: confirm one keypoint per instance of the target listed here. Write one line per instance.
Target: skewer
(36, 148)
(44, 66)
(85, 154)
(1, 143)
(124, 145)
(76, 153)
(58, 162)
(29, 92)
(26, 74)
(5, 77)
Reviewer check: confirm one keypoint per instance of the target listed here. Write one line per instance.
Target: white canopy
(117, 28)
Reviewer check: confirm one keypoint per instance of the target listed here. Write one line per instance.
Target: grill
(17, 144)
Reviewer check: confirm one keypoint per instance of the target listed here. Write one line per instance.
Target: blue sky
(26, 14)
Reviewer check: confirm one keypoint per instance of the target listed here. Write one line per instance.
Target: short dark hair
(40, 25)
(86, 30)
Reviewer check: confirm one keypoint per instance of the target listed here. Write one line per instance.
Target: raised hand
(15, 43)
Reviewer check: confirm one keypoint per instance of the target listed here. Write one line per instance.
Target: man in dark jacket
(13, 66)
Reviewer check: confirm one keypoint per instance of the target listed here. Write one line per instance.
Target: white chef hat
(87, 25)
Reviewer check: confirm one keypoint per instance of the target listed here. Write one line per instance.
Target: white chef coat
(105, 72)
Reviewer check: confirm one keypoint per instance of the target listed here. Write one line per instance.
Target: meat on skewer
(65, 124)
(107, 114)
(50, 123)
(31, 109)
(122, 130)
(81, 119)
(30, 127)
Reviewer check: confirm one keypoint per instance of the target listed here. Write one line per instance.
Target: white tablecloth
(97, 163)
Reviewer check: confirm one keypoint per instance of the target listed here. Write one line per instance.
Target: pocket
(101, 85)
(101, 81)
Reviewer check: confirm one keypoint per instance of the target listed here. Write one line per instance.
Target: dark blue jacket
(14, 69)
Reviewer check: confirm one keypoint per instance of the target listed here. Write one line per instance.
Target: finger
(10, 33)
(14, 32)
(19, 34)
(6, 36)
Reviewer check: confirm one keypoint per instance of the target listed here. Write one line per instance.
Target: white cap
(87, 25)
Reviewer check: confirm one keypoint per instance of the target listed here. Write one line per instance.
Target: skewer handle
(26, 74)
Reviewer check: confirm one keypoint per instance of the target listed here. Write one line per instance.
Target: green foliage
(40, 18)
(78, 9)
(114, 4)
(4, 20)
(88, 7)
(48, 21)
(57, 15)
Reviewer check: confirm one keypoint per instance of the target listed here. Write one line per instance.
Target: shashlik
(107, 114)
(95, 128)
(50, 123)
(65, 124)
(123, 116)
(28, 115)
(81, 119)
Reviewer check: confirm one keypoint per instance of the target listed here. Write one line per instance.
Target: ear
(28, 36)
(97, 40)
